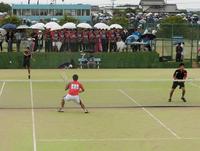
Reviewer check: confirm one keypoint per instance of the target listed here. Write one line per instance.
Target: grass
(108, 129)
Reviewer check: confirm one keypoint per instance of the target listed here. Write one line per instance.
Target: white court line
(3, 85)
(33, 118)
(102, 80)
(151, 115)
(116, 139)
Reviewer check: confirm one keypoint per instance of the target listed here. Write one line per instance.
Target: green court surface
(129, 111)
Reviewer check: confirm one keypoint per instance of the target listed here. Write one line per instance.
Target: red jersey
(74, 88)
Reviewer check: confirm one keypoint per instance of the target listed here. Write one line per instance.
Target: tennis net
(104, 93)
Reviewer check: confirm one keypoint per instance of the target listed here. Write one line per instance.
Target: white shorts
(74, 98)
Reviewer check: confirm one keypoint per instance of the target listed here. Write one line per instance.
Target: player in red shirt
(74, 88)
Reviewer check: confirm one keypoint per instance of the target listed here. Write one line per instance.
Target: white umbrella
(84, 25)
(39, 26)
(23, 27)
(56, 27)
(50, 25)
(116, 26)
(3, 31)
(142, 21)
(101, 26)
(69, 25)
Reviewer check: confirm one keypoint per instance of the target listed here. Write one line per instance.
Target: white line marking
(3, 85)
(151, 115)
(103, 80)
(33, 118)
(115, 139)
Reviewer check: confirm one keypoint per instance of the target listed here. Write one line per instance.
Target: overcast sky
(181, 3)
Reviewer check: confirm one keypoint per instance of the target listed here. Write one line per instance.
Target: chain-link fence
(166, 40)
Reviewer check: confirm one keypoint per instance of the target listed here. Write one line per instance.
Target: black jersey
(180, 74)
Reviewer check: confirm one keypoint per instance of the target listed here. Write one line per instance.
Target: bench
(85, 61)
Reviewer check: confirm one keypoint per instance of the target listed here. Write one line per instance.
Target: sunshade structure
(84, 25)
(39, 26)
(69, 25)
(116, 26)
(23, 27)
(9, 26)
(101, 26)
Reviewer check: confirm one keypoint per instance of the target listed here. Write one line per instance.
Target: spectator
(40, 40)
(48, 41)
(18, 37)
(9, 40)
(1, 41)
(179, 51)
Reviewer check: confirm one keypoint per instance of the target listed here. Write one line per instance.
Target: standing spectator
(62, 40)
(85, 40)
(79, 40)
(48, 41)
(73, 41)
(18, 37)
(179, 51)
(113, 40)
(1, 41)
(182, 54)
(98, 44)
(56, 40)
(104, 41)
(40, 40)
(34, 36)
(91, 37)
(67, 40)
(9, 40)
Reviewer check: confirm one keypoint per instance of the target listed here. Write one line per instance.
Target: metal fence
(165, 41)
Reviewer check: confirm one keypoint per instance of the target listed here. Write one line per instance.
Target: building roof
(168, 8)
(152, 2)
(51, 6)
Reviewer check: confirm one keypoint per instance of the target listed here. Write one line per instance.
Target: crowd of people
(65, 40)
(72, 40)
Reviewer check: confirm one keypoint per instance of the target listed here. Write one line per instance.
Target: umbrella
(39, 26)
(69, 25)
(23, 27)
(142, 21)
(3, 31)
(50, 25)
(84, 25)
(101, 26)
(56, 27)
(116, 26)
(148, 36)
(9, 26)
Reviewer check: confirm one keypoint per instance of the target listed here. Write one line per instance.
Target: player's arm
(174, 75)
(185, 75)
(81, 88)
(67, 86)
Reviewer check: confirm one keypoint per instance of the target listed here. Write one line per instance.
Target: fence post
(172, 35)
(191, 43)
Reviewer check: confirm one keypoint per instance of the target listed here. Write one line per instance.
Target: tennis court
(129, 110)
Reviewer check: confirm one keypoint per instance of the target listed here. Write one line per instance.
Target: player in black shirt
(26, 63)
(179, 74)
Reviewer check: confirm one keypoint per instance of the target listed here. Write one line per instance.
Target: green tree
(124, 22)
(5, 7)
(67, 18)
(173, 26)
(11, 19)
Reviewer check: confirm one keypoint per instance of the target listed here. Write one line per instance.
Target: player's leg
(171, 94)
(83, 106)
(183, 94)
(175, 84)
(62, 104)
(29, 72)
